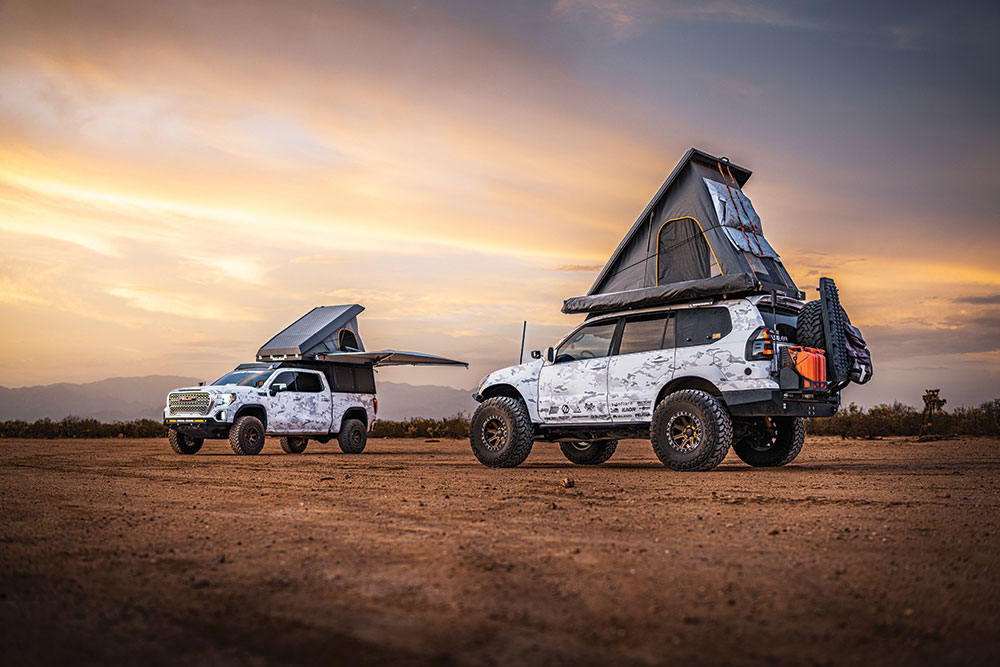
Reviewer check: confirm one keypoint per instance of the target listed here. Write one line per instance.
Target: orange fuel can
(810, 364)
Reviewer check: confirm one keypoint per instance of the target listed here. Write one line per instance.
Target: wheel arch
(689, 382)
(253, 410)
(507, 390)
(355, 412)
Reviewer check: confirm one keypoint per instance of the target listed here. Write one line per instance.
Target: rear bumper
(768, 403)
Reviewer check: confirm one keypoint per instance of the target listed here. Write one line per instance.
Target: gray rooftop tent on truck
(698, 237)
(330, 334)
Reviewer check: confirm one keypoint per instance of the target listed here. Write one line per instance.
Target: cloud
(981, 300)
(627, 18)
(590, 268)
(317, 259)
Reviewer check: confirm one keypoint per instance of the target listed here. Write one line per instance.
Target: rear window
(645, 334)
(308, 382)
(781, 320)
(702, 326)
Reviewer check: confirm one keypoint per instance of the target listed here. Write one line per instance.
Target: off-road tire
(500, 432)
(184, 444)
(293, 445)
(592, 453)
(809, 332)
(712, 430)
(353, 436)
(246, 436)
(762, 452)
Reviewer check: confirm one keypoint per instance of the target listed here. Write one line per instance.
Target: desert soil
(871, 553)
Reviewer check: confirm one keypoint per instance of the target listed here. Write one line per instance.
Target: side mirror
(550, 354)
(275, 388)
(536, 354)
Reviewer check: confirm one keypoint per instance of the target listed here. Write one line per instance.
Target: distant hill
(123, 399)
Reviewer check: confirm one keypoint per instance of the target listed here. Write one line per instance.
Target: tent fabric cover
(698, 227)
(689, 290)
(316, 331)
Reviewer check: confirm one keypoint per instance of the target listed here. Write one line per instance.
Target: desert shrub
(76, 427)
(451, 427)
(904, 420)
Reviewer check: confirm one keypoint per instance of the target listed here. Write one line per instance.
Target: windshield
(253, 377)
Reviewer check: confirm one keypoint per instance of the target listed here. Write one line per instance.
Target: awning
(389, 358)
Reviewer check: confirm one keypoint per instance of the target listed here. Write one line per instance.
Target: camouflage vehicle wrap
(275, 397)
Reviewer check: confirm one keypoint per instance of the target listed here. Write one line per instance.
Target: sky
(180, 180)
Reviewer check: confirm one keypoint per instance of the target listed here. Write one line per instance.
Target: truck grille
(189, 403)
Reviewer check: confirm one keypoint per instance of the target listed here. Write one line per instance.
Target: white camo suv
(696, 378)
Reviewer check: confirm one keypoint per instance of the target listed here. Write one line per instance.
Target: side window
(308, 382)
(286, 378)
(701, 326)
(343, 378)
(364, 379)
(642, 334)
(589, 342)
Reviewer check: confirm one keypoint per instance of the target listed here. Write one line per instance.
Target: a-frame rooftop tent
(699, 237)
(330, 334)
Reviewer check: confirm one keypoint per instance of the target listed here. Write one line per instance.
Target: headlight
(224, 399)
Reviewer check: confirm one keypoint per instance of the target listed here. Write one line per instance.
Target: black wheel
(691, 430)
(184, 444)
(500, 433)
(293, 445)
(590, 453)
(352, 437)
(771, 441)
(246, 436)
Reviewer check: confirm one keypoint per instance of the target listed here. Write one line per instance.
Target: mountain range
(127, 398)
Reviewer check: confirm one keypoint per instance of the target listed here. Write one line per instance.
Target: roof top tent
(330, 334)
(699, 237)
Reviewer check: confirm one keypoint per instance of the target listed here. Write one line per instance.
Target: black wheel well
(677, 384)
(501, 390)
(355, 413)
(257, 411)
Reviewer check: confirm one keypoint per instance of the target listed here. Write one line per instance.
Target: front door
(574, 387)
(302, 406)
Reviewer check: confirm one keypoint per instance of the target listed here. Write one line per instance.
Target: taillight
(761, 345)
(376, 405)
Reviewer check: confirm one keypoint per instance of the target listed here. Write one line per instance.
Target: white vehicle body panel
(574, 392)
(635, 380)
(523, 378)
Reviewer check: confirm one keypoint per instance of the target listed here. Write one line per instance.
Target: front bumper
(776, 403)
(199, 426)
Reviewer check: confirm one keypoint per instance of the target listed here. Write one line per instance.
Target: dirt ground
(870, 553)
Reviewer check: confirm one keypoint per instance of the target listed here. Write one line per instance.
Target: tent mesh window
(682, 252)
(348, 341)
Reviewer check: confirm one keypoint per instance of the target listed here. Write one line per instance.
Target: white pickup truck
(288, 400)
(314, 380)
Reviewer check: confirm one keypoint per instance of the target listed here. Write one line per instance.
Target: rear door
(644, 363)
(303, 406)
(574, 388)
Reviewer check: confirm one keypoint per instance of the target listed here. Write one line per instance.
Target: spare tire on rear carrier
(823, 324)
